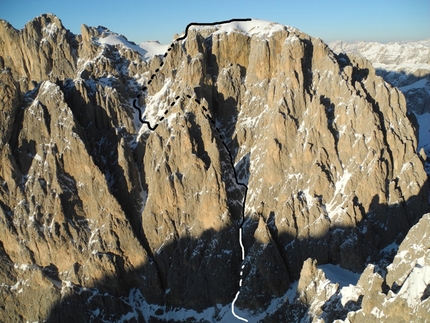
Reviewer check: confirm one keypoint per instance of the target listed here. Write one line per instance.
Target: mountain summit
(252, 125)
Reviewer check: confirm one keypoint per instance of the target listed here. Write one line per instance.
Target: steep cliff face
(399, 293)
(43, 50)
(256, 125)
(405, 65)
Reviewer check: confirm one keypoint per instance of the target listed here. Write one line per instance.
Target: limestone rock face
(60, 223)
(397, 293)
(106, 218)
(42, 50)
(405, 65)
(403, 294)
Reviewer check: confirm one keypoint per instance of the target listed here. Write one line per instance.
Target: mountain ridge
(401, 64)
(167, 228)
(405, 65)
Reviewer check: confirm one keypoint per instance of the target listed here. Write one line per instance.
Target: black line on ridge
(209, 24)
(186, 35)
(177, 98)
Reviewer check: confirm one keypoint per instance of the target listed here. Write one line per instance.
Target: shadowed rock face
(101, 216)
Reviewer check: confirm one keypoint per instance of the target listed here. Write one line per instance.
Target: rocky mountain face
(252, 125)
(404, 65)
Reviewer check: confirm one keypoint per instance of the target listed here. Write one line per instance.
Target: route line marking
(212, 121)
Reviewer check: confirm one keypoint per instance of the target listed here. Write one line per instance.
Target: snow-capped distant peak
(146, 49)
(153, 48)
(394, 53)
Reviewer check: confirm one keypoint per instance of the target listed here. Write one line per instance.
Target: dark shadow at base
(204, 271)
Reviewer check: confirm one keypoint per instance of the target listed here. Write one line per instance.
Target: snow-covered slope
(251, 28)
(147, 49)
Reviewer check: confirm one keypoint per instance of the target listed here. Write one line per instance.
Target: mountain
(405, 65)
(131, 176)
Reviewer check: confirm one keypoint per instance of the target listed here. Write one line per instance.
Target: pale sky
(369, 20)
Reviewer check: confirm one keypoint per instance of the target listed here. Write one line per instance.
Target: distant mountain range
(405, 65)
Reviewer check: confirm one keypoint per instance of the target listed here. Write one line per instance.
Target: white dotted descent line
(240, 280)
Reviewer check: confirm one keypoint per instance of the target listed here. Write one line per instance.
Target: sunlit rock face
(257, 125)
(405, 65)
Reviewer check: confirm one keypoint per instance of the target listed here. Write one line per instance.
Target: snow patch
(155, 107)
(153, 48)
(146, 49)
(334, 208)
(49, 31)
(414, 286)
(254, 27)
(337, 274)
(392, 247)
(377, 313)
(347, 280)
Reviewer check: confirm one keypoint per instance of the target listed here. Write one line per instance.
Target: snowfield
(253, 27)
(147, 49)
